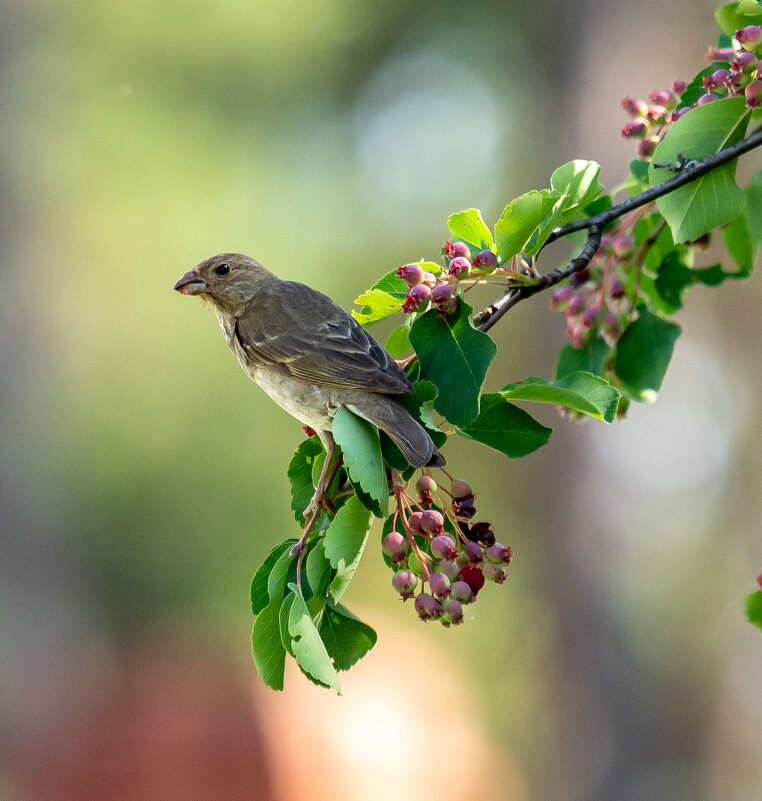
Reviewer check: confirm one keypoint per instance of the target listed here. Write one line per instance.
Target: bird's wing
(295, 330)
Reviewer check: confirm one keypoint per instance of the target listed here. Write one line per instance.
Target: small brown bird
(308, 355)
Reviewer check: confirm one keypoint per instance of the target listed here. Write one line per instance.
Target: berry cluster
(649, 121)
(441, 549)
(461, 264)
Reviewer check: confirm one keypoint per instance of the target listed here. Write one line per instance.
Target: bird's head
(226, 282)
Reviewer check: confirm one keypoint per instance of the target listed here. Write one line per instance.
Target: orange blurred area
(143, 476)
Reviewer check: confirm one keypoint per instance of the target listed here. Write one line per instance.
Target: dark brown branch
(688, 171)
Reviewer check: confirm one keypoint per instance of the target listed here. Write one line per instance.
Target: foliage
(617, 294)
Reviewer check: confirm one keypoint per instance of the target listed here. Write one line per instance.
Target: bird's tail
(395, 421)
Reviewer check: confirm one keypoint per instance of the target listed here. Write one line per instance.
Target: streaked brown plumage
(307, 353)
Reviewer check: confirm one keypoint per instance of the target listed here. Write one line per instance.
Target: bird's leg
(319, 499)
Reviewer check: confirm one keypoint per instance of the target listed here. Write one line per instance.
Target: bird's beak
(191, 284)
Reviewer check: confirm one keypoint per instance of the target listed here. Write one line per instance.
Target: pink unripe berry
(473, 576)
(453, 612)
(717, 79)
(443, 547)
(475, 553)
(633, 107)
(450, 568)
(749, 37)
(414, 522)
(405, 582)
(647, 146)
(560, 296)
(576, 305)
(494, 573)
(440, 585)
(704, 99)
(635, 128)
(428, 608)
(418, 294)
(744, 61)
(720, 53)
(454, 249)
(460, 591)
(460, 488)
(429, 279)
(661, 97)
(426, 484)
(678, 87)
(499, 554)
(679, 113)
(485, 259)
(432, 521)
(616, 289)
(411, 274)
(657, 114)
(589, 316)
(624, 246)
(752, 94)
(395, 546)
(460, 266)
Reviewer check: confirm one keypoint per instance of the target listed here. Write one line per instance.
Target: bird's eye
(222, 269)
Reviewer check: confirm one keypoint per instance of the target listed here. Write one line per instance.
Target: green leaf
(468, 226)
(398, 342)
(392, 284)
(347, 639)
(375, 305)
(577, 184)
(361, 447)
(590, 359)
(753, 210)
(715, 198)
(754, 608)
(454, 356)
(639, 170)
(309, 650)
(674, 277)
(643, 354)
(300, 470)
(505, 427)
(260, 596)
(738, 242)
(267, 647)
(731, 18)
(750, 8)
(520, 219)
(283, 615)
(344, 543)
(581, 392)
(318, 569)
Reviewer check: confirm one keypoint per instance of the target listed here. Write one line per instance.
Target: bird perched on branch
(308, 355)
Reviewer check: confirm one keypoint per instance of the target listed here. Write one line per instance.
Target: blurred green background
(142, 477)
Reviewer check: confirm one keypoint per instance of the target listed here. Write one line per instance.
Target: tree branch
(689, 171)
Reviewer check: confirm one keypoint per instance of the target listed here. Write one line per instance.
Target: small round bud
(414, 522)
(460, 591)
(405, 582)
(460, 266)
(635, 108)
(473, 576)
(749, 37)
(428, 608)
(624, 246)
(475, 553)
(411, 274)
(440, 585)
(678, 87)
(454, 249)
(499, 554)
(661, 97)
(443, 547)
(485, 260)
(647, 146)
(426, 484)
(494, 573)
(395, 546)
(616, 289)
(453, 612)
(460, 488)
(704, 99)
(450, 568)
(752, 94)
(635, 128)
(432, 521)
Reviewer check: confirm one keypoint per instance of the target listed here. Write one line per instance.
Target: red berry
(454, 249)
(432, 521)
(460, 266)
(485, 259)
(473, 577)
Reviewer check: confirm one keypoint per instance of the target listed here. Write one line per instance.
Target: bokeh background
(142, 477)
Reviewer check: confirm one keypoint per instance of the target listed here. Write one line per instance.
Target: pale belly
(308, 403)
